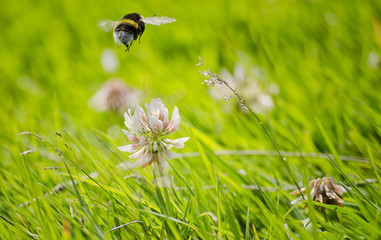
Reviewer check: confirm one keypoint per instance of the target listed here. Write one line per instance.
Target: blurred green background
(323, 55)
(317, 52)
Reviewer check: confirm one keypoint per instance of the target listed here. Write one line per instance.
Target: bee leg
(128, 47)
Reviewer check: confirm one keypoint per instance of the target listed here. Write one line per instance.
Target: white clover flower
(109, 61)
(257, 97)
(148, 132)
(114, 95)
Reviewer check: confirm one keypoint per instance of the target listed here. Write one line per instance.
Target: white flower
(257, 95)
(373, 60)
(148, 132)
(114, 95)
(109, 61)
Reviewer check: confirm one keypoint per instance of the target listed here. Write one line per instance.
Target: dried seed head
(324, 190)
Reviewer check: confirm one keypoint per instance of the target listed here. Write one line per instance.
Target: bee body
(132, 26)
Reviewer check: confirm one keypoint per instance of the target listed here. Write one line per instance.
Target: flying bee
(131, 27)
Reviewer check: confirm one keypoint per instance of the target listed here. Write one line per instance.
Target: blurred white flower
(148, 133)
(263, 103)
(272, 89)
(109, 61)
(29, 85)
(114, 95)
(259, 100)
(242, 172)
(373, 60)
(331, 18)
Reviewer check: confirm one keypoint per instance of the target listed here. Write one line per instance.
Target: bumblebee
(131, 27)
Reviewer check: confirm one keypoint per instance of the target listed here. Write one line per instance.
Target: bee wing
(106, 25)
(158, 20)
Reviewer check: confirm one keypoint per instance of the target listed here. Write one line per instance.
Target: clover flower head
(257, 95)
(147, 130)
(114, 95)
(324, 190)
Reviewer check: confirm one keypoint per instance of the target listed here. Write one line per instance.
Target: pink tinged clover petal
(138, 120)
(138, 154)
(339, 189)
(141, 114)
(177, 143)
(132, 137)
(128, 120)
(143, 160)
(175, 121)
(129, 148)
(158, 109)
(149, 109)
(171, 155)
(331, 195)
(155, 124)
(164, 118)
(162, 162)
(155, 108)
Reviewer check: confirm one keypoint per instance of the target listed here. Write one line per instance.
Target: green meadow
(63, 177)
